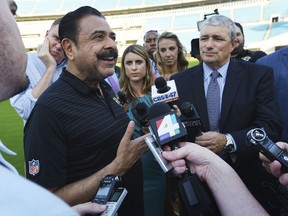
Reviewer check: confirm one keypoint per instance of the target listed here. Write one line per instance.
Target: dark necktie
(213, 101)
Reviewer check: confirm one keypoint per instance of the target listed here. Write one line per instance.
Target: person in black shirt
(75, 134)
(241, 54)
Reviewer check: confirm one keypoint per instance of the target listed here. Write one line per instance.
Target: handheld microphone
(191, 119)
(164, 91)
(161, 85)
(165, 125)
(122, 97)
(167, 129)
(140, 113)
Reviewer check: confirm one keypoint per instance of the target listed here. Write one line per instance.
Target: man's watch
(229, 147)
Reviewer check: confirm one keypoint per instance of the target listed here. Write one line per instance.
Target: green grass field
(11, 134)
(192, 62)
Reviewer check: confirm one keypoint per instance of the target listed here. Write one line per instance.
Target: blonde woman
(170, 55)
(135, 81)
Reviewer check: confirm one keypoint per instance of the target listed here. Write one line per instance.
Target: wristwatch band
(229, 147)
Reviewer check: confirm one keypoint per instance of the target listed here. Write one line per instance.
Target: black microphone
(164, 91)
(165, 125)
(140, 113)
(191, 119)
(122, 97)
(161, 85)
(167, 129)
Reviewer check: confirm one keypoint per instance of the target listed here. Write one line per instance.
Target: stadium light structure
(199, 23)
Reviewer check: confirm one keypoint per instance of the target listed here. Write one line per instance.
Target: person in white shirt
(43, 68)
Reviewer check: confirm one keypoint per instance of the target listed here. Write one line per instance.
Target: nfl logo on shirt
(34, 167)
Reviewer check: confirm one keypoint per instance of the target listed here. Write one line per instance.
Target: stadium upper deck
(130, 19)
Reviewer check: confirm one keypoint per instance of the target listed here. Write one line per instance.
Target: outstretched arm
(129, 152)
(222, 180)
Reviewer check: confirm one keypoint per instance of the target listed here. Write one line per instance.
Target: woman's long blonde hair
(124, 80)
(182, 63)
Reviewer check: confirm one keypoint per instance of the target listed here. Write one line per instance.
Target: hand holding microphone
(167, 129)
(165, 125)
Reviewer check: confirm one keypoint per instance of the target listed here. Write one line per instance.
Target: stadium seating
(187, 21)
(72, 5)
(41, 7)
(276, 7)
(278, 28)
(131, 19)
(252, 14)
(158, 23)
(255, 33)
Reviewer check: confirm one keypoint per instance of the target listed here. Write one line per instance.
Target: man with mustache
(43, 68)
(75, 134)
(13, 79)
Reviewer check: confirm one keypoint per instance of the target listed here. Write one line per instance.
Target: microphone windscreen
(122, 97)
(158, 109)
(161, 85)
(141, 108)
(187, 109)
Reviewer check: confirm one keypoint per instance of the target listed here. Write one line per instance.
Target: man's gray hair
(220, 20)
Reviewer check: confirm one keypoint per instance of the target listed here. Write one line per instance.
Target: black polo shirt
(73, 132)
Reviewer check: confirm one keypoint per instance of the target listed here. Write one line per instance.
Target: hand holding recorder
(259, 139)
(110, 194)
(274, 156)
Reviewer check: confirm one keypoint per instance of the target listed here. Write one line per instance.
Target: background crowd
(78, 128)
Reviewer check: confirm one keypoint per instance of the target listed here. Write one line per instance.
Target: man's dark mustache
(111, 53)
